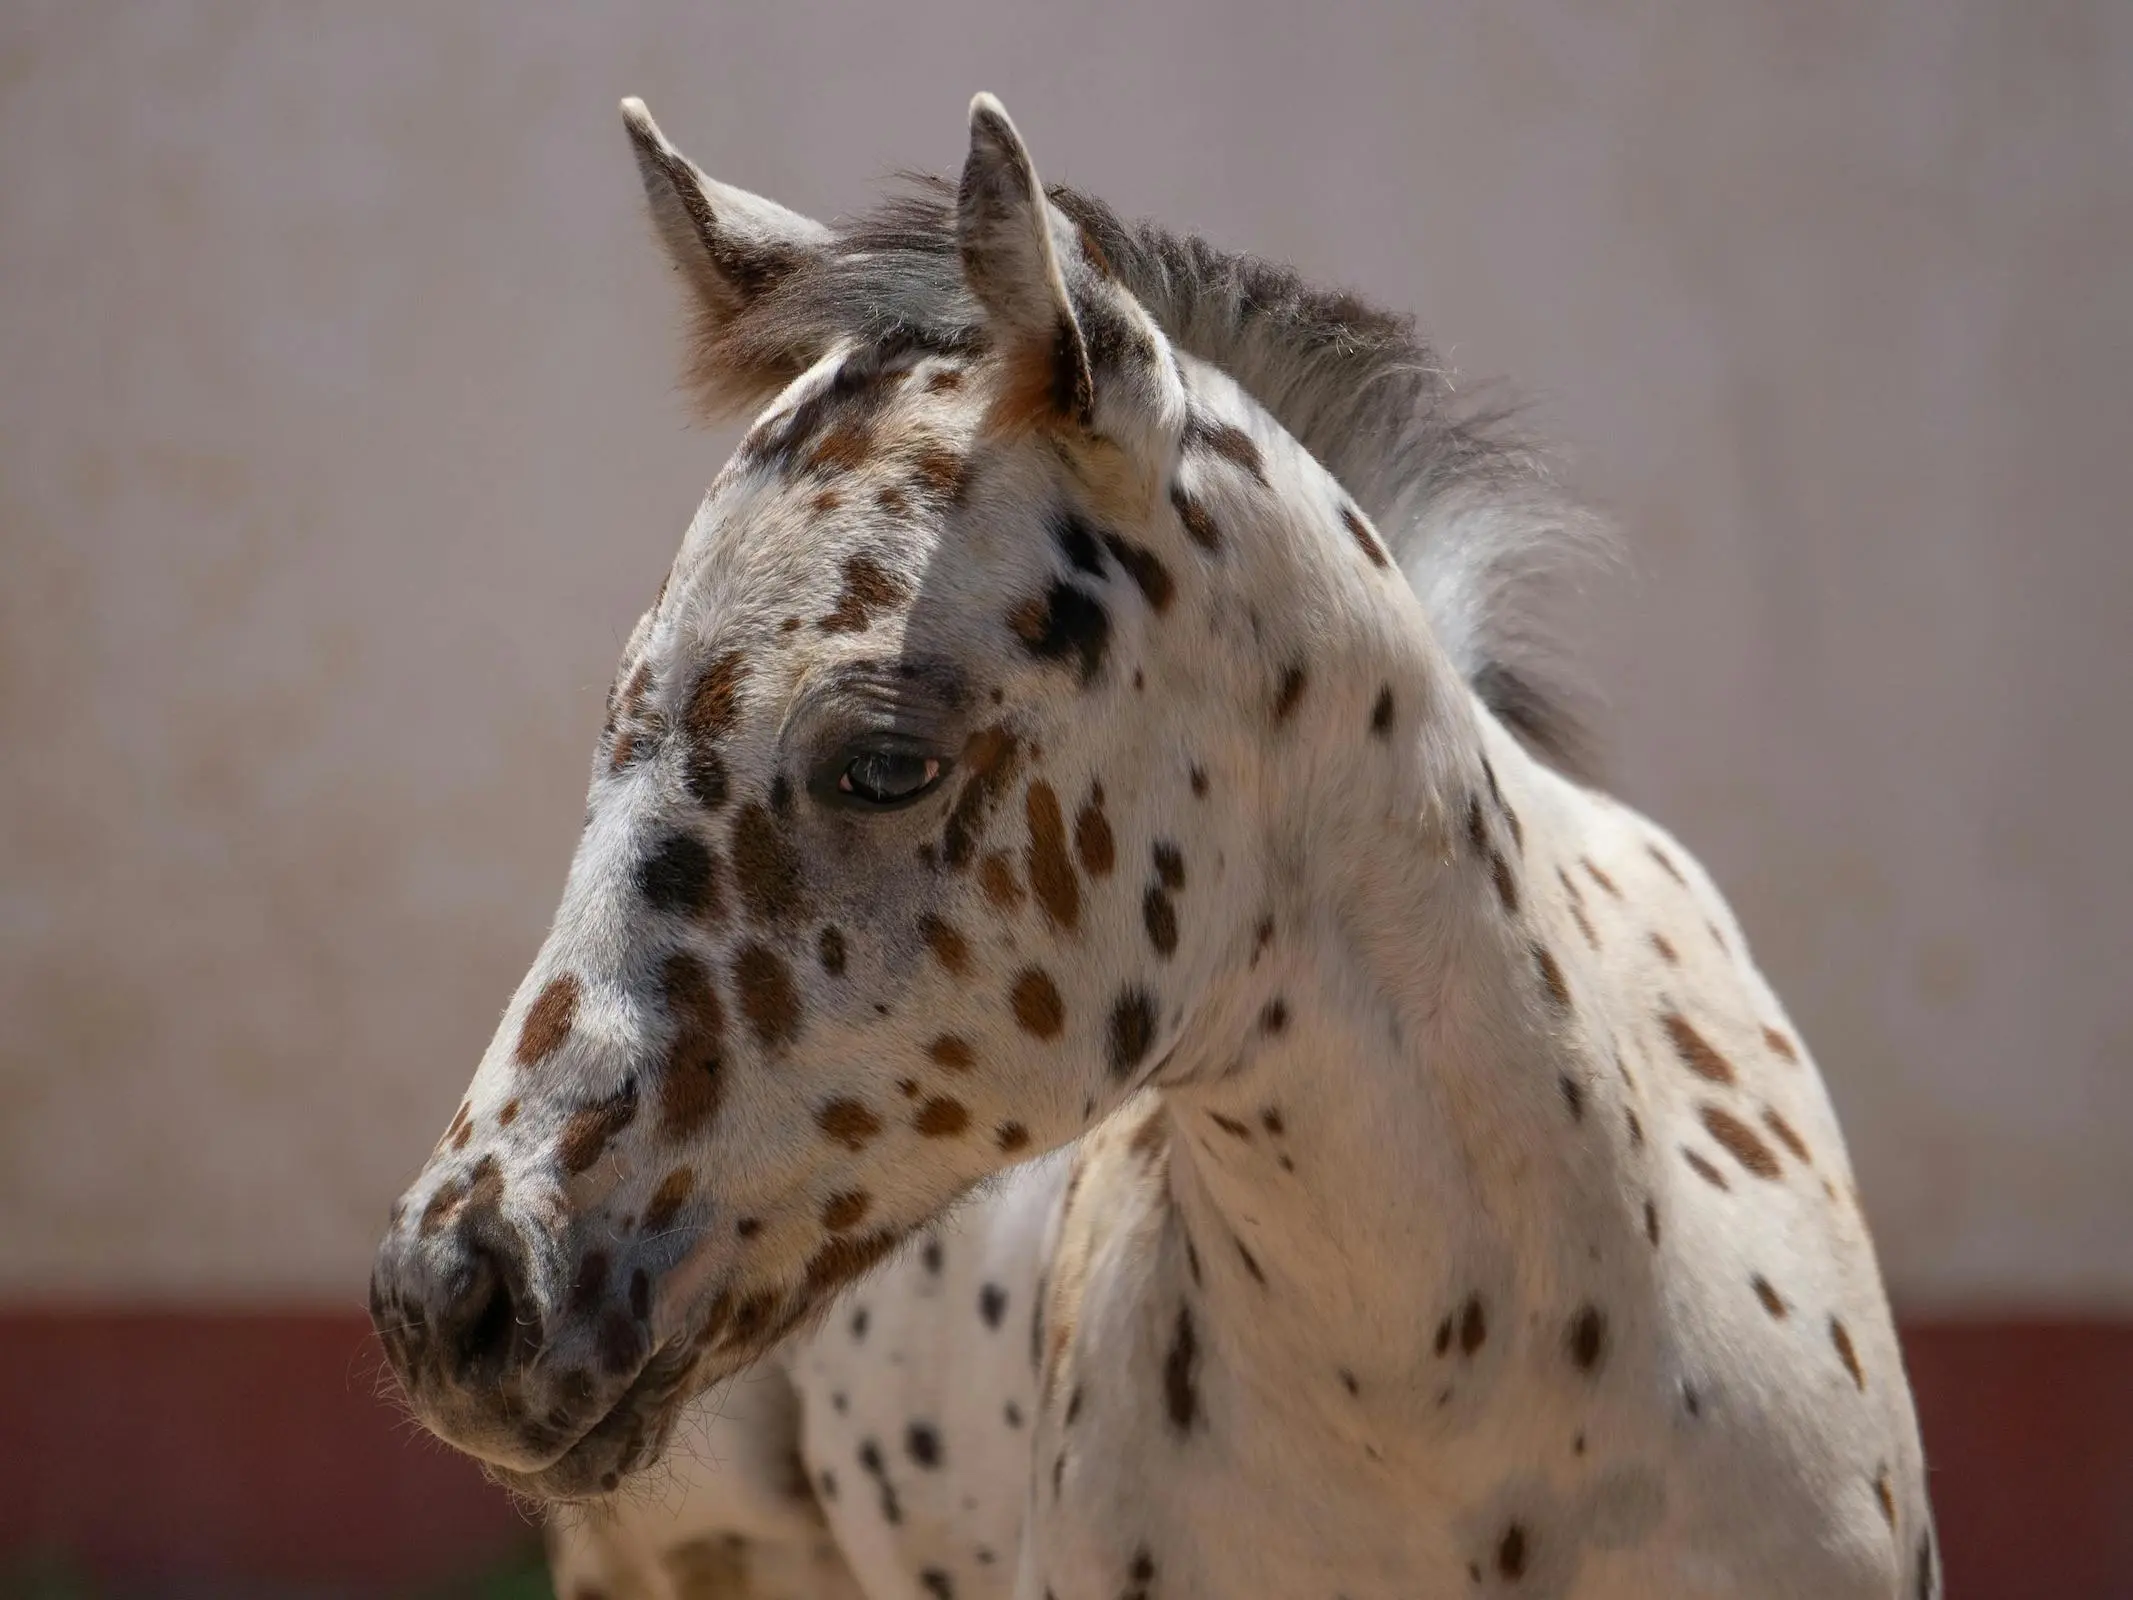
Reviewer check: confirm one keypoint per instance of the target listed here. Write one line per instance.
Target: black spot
(1588, 1337)
(1290, 693)
(932, 1254)
(1169, 865)
(1381, 712)
(676, 876)
(1078, 542)
(781, 797)
(1181, 1393)
(1161, 919)
(936, 1583)
(1013, 1413)
(1511, 1552)
(1573, 1097)
(923, 1441)
(1132, 1031)
(1073, 1406)
(831, 947)
(992, 1304)
(1473, 1326)
(1348, 1381)
(1067, 622)
(859, 1323)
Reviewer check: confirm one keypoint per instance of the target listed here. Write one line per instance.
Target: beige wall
(339, 448)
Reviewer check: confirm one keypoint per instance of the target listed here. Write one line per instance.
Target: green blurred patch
(50, 1575)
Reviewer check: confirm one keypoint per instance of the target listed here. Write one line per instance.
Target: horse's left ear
(1082, 350)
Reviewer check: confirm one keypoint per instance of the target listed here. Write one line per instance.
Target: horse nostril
(484, 1323)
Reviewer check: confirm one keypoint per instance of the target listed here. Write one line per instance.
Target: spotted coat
(1091, 1047)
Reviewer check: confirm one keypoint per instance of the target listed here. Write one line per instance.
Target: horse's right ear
(732, 248)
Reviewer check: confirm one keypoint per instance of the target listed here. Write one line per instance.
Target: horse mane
(1470, 508)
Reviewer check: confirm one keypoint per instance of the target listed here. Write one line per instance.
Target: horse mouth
(628, 1436)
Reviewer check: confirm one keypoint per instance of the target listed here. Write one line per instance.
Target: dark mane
(1471, 510)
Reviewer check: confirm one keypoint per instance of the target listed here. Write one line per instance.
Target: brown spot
(714, 702)
(1587, 1338)
(1785, 1135)
(1840, 1336)
(1226, 440)
(443, 1205)
(1198, 779)
(1703, 1169)
(989, 757)
(1599, 877)
(1169, 865)
(1551, 976)
(1093, 841)
(692, 1078)
(1506, 884)
(1198, 524)
(845, 447)
(942, 474)
(1695, 1051)
(944, 379)
(508, 1115)
(1132, 1031)
(1473, 1326)
(1181, 1395)
(1232, 1127)
(1359, 530)
(586, 1134)
(843, 1258)
(825, 502)
(996, 876)
(1740, 1141)
(1651, 1222)
(768, 999)
(1573, 1096)
(868, 589)
(1010, 1137)
(941, 1118)
(1293, 682)
(765, 866)
(1577, 912)
(1779, 1044)
(1511, 1552)
(461, 1130)
(1667, 864)
(845, 1212)
(548, 1020)
(1065, 622)
(1051, 871)
(1665, 947)
(850, 1123)
(668, 1199)
(948, 945)
(953, 1053)
(1274, 1017)
(1270, 1119)
(892, 501)
(830, 947)
(1038, 1008)
(1885, 1499)
(1146, 570)
(1773, 1302)
(1381, 712)
(1150, 1134)
(1477, 826)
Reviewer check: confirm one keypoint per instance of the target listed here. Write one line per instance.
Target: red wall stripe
(181, 1448)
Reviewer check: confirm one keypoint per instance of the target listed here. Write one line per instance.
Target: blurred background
(340, 446)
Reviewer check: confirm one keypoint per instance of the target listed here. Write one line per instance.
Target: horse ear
(732, 248)
(1011, 260)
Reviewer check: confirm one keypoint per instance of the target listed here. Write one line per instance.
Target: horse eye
(888, 777)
